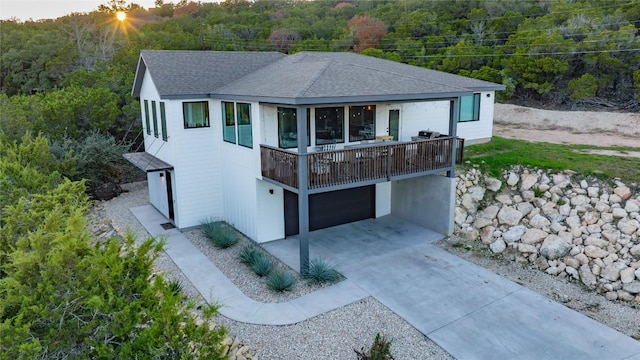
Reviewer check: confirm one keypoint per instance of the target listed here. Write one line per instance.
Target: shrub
(220, 235)
(98, 158)
(380, 350)
(319, 272)
(280, 280)
(249, 254)
(67, 295)
(262, 265)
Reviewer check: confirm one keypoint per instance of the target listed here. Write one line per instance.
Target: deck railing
(280, 165)
(360, 163)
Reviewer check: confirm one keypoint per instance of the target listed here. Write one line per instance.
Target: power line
(527, 54)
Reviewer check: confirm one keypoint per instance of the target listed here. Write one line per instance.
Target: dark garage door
(331, 208)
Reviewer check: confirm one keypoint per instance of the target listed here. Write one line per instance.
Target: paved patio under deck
(469, 311)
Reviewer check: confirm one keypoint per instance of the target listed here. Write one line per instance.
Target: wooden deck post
(303, 188)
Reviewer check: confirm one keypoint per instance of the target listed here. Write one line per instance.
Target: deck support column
(303, 190)
(453, 132)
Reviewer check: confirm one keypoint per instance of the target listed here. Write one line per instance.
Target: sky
(51, 9)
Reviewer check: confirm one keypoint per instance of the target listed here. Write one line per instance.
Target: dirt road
(567, 127)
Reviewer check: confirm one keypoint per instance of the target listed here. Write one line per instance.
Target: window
(329, 125)
(196, 114)
(163, 122)
(288, 128)
(228, 122)
(245, 134)
(155, 118)
(362, 122)
(146, 116)
(469, 108)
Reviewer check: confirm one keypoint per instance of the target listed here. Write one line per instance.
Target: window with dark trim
(329, 125)
(469, 109)
(228, 122)
(362, 122)
(163, 122)
(146, 116)
(155, 118)
(288, 128)
(245, 133)
(196, 114)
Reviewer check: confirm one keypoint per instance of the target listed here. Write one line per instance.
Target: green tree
(65, 294)
(582, 87)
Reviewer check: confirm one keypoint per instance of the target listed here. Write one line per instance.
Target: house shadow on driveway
(344, 246)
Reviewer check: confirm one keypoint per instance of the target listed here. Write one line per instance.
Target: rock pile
(584, 230)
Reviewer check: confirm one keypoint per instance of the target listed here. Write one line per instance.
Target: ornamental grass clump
(256, 260)
(176, 286)
(280, 280)
(319, 272)
(262, 265)
(220, 234)
(249, 255)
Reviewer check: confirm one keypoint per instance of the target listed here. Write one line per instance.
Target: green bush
(280, 280)
(64, 294)
(262, 265)
(249, 255)
(98, 158)
(220, 234)
(380, 350)
(319, 272)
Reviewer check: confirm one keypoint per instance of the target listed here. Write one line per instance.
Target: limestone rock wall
(584, 230)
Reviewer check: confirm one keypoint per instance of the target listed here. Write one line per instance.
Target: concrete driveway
(467, 310)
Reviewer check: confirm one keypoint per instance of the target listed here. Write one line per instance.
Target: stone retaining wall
(580, 229)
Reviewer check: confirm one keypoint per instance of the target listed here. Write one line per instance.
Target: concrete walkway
(469, 311)
(216, 288)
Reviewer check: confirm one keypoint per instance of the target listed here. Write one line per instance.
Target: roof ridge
(324, 69)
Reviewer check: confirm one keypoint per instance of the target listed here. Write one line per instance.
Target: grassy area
(501, 153)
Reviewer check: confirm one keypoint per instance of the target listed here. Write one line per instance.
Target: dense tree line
(557, 51)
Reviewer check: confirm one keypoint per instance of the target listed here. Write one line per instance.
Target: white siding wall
(479, 131)
(241, 169)
(195, 158)
(428, 115)
(157, 193)
(269, 125)
(155, 145)
(382, 119)
(270, 219)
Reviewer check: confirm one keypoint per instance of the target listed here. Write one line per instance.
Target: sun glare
(121, 15)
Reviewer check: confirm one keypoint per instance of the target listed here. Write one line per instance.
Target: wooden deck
(362, 163)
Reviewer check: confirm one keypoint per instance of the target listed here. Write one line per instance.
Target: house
(279, 144)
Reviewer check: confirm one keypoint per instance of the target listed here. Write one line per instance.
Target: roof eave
(137, 80)
(343, 99)
(494, 87)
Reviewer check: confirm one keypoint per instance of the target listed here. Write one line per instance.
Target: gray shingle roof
(302, 78)
(197, 73)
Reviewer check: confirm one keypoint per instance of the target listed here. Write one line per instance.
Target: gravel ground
(250, 284)
(333, 335)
